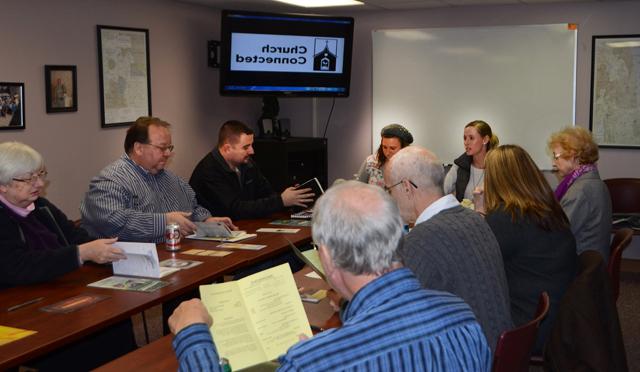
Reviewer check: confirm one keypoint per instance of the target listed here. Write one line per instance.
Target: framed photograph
(615, 91)
(12, 106)
(125, 80)
(61, 88)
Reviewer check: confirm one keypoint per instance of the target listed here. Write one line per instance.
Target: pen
(27, 303)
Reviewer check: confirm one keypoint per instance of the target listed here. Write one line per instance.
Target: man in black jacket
(228, 182)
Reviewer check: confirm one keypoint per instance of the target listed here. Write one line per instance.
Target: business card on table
(73, 303)
(251, 247)
(277, 230)
(204, 252)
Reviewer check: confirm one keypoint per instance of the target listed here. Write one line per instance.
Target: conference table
(55, 330)
(159, 355)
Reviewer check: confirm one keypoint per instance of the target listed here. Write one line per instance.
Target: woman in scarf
(581, 193)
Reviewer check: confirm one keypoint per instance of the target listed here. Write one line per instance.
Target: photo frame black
(12, 106)
(125, 75)
(61, 88)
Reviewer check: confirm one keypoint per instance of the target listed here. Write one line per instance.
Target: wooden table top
(55, 330)
(159, 355)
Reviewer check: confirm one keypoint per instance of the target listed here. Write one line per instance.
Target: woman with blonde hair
(467, 172)
(582, 194)
(538, 248)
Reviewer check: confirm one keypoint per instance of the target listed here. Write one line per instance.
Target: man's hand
(226, 220)
(188, 313)
(300, 197)
(182, 219)
(101, 251)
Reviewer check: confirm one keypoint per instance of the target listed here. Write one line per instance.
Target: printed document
(257, 318)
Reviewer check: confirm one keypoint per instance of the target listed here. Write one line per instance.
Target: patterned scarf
(570, 178)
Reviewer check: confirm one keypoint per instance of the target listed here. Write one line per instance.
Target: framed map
(125, 81)
(615, 91)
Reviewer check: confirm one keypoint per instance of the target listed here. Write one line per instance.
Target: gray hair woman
(38, 242)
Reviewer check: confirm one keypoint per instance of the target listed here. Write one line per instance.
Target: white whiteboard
(519, 79)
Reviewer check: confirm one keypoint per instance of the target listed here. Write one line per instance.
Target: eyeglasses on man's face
(388, 188)
(162, 148)
(42, 175)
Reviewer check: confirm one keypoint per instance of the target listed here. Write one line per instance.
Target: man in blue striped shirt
(391, 323)
(134, 197)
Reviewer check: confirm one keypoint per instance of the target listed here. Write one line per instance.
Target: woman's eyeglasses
(42, 175)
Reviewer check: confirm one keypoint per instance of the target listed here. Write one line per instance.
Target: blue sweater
(390, 324)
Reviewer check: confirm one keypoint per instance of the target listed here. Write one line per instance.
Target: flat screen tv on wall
(285, 54)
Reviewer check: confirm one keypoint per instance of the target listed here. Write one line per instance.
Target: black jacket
(219, 190)
(586, 335)
(20, 265)
(464, 173)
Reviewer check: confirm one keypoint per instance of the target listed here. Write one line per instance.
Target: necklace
(473, 179)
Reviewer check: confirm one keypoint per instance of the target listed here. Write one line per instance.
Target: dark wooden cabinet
(291, 161)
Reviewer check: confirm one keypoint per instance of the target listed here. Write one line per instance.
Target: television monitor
(285, 54)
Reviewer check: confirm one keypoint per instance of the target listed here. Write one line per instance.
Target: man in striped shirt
(391, 323)
(134, 198)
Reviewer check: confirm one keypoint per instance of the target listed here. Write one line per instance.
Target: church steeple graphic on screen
(325, 60)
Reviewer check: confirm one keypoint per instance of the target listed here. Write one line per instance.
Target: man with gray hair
(390, 322)
(450, 248)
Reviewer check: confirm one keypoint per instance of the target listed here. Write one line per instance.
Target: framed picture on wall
(61, 88)
(12, 106)
(615, 91)
(125, 80)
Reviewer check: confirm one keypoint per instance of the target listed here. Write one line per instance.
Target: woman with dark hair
(582, 194)
(467, 171)
(394, 138)
(537, 245)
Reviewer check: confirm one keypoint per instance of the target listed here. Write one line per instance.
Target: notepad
(10, 334)
(257, 318)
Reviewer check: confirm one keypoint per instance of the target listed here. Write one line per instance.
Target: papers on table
(213, 229)
(291, 222)
(142, 260)
(235, 236)
(10, 334)
(277, 230)
(130, 284)
(257, 318)
(251, 247)
(205, 252)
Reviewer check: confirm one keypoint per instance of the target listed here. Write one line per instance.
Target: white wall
(184, 90)
(350, 132)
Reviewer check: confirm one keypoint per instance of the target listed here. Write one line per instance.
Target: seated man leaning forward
(228, 182)
(134, 198)
(390, 323)
(451, 248)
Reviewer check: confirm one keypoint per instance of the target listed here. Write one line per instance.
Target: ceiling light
(321, 3)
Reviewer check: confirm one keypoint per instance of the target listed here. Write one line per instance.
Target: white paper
(142, 260)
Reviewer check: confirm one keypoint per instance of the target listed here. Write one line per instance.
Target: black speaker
(213, 53)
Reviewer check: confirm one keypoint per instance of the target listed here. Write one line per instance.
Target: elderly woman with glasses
(37, 241)
(582, 194)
